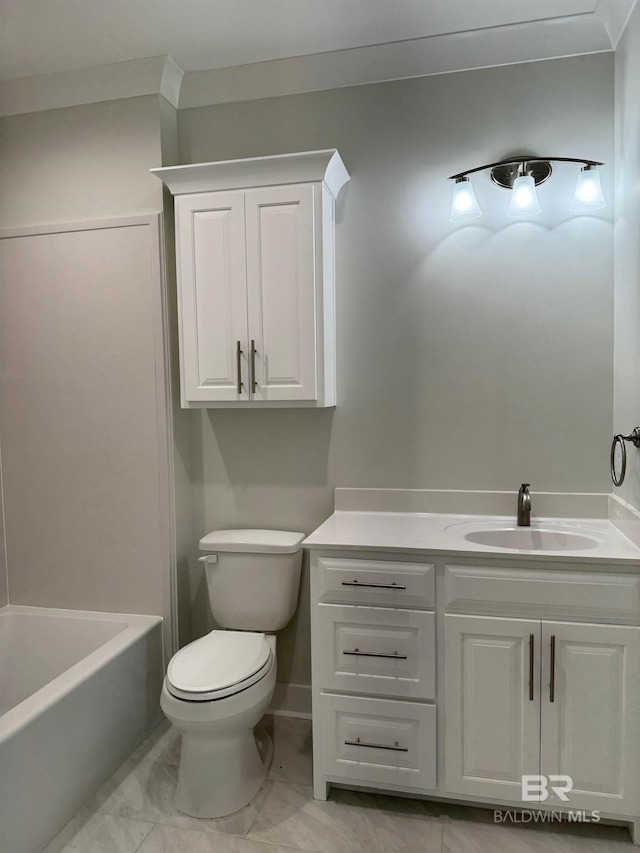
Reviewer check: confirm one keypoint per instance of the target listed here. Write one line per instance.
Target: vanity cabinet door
(590, 713)
(492, 705)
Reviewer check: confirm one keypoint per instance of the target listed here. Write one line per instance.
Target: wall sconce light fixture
(522, 175)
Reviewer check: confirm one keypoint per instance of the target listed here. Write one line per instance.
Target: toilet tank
(253, 577)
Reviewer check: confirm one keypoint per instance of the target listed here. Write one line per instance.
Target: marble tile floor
(134, 813)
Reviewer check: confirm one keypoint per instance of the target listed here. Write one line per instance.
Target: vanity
(453, 654)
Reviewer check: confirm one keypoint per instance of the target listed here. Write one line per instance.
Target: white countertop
(427, 532)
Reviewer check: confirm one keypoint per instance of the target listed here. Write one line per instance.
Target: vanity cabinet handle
(552, 682)
(394, 746)
(531, 656)
(239, 366)
(393, 585)
(254, 383)
(357, 652)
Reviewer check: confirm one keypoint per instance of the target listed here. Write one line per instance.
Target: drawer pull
(238, 367)
(394, 746)
(393, 585)
(552, 681)
(254, 381)
(374, 654)
(531, 659)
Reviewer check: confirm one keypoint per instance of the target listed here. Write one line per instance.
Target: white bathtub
(78, 692)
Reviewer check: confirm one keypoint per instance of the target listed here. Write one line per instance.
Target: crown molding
(422, 57)
(595, 31)
(304, 167)
(614, 17)
(171, 81)
(157, 75)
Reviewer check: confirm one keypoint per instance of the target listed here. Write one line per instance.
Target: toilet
(218, 687)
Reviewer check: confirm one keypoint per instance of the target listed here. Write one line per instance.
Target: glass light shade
(588, 195)
(464, 205)
(524, 199)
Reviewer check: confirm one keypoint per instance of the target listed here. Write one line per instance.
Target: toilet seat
(219, 664)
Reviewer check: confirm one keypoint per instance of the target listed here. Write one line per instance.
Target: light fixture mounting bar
(505, 176)
(519, 161)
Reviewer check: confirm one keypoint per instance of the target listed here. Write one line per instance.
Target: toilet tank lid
(252, 541)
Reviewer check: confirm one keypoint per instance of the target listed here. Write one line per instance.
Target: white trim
(291, 700)
(157, 75)
(164, 419)
(614, 18)
(252, 172)
(593, 31)
(85, 225)
(171, 81)
(442, 54)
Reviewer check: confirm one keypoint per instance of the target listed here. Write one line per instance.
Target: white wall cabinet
(529, 697)
(256, 290)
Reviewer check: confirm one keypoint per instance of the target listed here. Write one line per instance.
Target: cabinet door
(281, 280)
(590, 729)
(492, 725)
(212, 297)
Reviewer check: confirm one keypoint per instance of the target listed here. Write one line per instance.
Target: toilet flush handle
(208, 558)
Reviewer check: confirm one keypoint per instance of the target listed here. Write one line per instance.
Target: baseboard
(291, 700)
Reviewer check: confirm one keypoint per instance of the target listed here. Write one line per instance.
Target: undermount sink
(528, 539)
(550, 537)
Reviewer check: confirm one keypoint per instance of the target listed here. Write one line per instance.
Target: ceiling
(40, 37)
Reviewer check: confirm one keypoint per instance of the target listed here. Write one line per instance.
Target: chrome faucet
(524, 506)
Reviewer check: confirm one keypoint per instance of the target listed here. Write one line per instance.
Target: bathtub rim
(136, 627)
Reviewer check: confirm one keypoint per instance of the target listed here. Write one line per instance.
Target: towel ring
(619, 439)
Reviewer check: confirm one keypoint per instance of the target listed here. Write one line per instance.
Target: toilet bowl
(223, 764)
(218, 687)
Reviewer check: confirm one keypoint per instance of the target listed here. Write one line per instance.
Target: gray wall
(468, 357)
(627, 249)
(79, 421)
(86, 496)
(79, 163)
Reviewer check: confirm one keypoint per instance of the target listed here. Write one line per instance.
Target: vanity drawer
(379, 741)
(377, 651)
(375, 582)
(583, 595)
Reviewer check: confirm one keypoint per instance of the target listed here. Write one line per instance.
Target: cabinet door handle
(357, 652)
(394, 746)
(254, 383)
(374, 585)
(531, 656)
(239, 366)
(552, 682)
